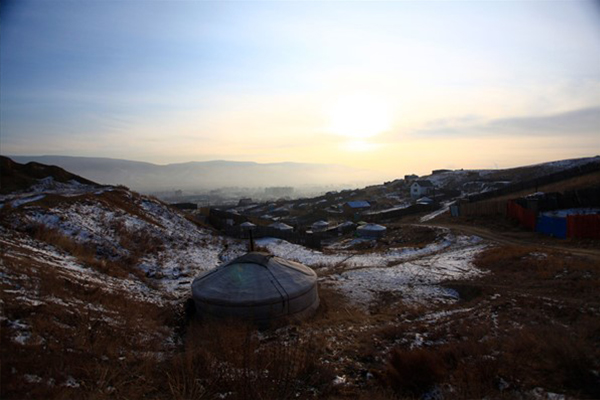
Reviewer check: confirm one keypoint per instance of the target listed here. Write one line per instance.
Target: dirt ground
(528, 328)
(502, 231)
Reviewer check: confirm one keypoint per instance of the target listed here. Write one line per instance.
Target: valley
(96, 282)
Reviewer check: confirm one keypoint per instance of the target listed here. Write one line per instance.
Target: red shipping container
(583, 226)
(525, 217)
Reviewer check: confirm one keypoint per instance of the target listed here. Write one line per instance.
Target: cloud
(579, 122)
(585, 120)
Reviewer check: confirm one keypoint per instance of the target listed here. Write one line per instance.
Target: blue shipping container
(552, 226)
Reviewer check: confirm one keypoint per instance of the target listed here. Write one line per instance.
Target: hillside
(15, 176)
(93, 270)
(478, 181)
(95, 284)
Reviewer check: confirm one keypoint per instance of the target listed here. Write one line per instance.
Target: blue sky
(442, 84)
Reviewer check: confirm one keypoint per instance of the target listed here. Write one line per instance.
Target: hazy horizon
(389, 87)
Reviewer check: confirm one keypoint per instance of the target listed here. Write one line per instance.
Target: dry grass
(532, 321)
(86, 253)
(414, 372)
(108, 345)
(100, 340)
(234, 358)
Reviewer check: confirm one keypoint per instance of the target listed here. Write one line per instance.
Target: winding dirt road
(523, 239)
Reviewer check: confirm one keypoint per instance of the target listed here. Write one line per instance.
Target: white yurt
(425, 200)
(256, 287)
(371, 231)
(281, 226)
(320, 226)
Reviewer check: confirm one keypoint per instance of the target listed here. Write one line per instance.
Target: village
(454, 285)
(299, 200)
(365, 212)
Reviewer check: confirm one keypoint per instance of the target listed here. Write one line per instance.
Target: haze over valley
(206, 176)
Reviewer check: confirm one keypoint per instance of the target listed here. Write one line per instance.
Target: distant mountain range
(147, 177)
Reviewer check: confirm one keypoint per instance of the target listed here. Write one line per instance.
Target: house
(411, 178)
(352, 207)
(245, 201)
(421, 188)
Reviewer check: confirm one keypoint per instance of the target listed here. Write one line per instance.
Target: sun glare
(359, 116)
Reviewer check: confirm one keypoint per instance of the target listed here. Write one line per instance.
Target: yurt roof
(281, 226)
(255, 278)
(372, 227)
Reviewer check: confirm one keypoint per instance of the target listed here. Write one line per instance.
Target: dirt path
(524, 239)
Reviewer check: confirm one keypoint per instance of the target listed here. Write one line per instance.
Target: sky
(394, 87)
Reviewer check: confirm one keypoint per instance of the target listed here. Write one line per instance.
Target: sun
(359, 116)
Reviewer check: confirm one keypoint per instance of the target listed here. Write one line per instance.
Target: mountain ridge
(145, 177)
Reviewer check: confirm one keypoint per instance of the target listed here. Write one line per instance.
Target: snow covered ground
(171, 251)
(41, 256)
(411, 273)
(118, 223)
(445, 207)
(413, 281)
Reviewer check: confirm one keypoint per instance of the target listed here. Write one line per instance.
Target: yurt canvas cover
(257, 287)
(371, 230)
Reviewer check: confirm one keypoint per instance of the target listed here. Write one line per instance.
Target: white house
(421, 188)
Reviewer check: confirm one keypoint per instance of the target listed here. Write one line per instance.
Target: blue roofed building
(357, 206)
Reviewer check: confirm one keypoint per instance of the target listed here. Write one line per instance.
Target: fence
(591, 167)
(482, 208)
(588, 197)
(302, 238)
(397, 213)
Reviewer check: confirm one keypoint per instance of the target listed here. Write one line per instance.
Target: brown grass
(414, 372)
(86, 253)
(99, 339)
(228, 357)
(532, 321)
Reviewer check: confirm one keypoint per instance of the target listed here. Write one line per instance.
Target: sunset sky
(394, 87)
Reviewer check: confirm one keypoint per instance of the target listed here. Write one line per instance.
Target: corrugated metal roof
(358, 204)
